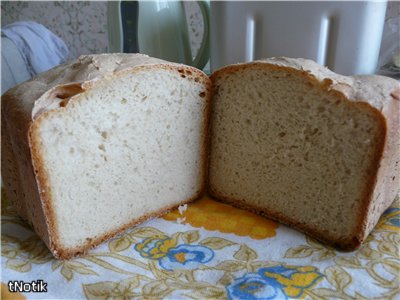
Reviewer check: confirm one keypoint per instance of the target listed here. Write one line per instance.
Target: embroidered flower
(169, 256)
(278, 282)
(390, 219)
(155, 247)
(254, 286)
(186, 257)
(293, 279)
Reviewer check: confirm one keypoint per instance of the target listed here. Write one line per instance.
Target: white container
(345, 36)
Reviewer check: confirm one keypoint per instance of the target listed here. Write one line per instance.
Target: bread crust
(379, 192)
(17, 170)
(36, 179)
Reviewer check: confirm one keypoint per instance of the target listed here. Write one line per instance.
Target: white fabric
(40, 48)
(13, 66)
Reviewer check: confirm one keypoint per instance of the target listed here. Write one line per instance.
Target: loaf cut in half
(102, 143)
(305, 146)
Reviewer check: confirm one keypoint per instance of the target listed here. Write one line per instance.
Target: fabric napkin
(208, 251)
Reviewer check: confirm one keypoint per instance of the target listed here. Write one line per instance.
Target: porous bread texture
(305, 146)
(113, 140)
(290, 140)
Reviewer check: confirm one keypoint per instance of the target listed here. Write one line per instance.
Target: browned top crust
(373, 89)
(48, 90)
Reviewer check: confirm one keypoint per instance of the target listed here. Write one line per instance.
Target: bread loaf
(305, 146)
(94, 146)
(108, 141)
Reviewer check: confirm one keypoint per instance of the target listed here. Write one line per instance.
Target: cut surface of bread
(112, 151)
(97, 145)
(305, 146)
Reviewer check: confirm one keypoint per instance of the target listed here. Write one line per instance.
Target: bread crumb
(182, 209)
(180, 220)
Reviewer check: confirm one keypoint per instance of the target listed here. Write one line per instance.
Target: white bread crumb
(182, 209)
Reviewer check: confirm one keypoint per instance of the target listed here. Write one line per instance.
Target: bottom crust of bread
(345, 244)
(61, 253)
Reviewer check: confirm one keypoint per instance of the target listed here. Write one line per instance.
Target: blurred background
(83, 25)
(86, 26)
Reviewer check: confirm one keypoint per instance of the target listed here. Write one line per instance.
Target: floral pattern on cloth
(278, 282)
(162, 259)
(390, 219)
(184, 256)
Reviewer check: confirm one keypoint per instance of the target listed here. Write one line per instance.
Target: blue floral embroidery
(186, 257)
(278, 282)
(395, 222)
(254, 286)
(392, 216)
(155, 247)
(170, 256)
(390, 220)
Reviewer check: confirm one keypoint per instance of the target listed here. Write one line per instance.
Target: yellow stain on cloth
(213, 215)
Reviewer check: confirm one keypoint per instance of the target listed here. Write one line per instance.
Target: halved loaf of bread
(305, 146)
(97, 145)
